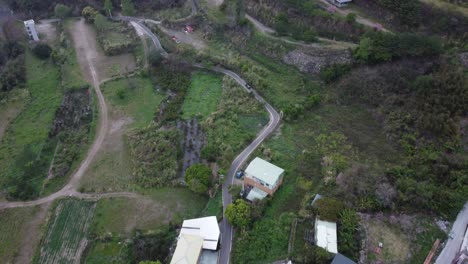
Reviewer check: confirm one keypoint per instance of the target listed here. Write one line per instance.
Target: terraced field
(66, 236)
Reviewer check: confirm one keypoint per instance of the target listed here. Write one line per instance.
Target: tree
(13, 74)
(238, 213)
(108, 7)
(101, 23)
(127, 8)
(62, 11)
(150, 262)
(89, 14)
(42, 51)
(197, 177)
(154, 59)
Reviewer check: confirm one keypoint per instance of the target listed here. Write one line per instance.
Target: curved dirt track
(86, 52)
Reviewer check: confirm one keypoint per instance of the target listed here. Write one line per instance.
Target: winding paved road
(227, 231)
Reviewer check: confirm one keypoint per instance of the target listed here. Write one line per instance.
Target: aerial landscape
(234, 131)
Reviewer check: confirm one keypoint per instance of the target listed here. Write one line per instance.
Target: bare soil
(33, 234)
(194, 140)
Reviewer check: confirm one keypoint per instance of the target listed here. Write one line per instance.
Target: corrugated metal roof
(188, 249)
(325, 235)
(264, 170)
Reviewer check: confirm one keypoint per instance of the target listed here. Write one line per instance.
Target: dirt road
(86, 52)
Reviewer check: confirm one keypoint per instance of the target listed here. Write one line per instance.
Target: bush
(238, 214)
(13, 74)
(62, 11)
(334, 72)
(378, 46)
(127, 8)
(42, 51)
(329, 209)
(89, 14)
(198, 178)
(154, 58)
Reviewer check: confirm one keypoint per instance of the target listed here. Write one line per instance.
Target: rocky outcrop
(312, 61)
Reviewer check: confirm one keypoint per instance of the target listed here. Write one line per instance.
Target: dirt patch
(32, 235)
(106, 66)
(118, 124)
(214, 3)
(313, 60)
(192, 39)
(47, 30)
(397, 233)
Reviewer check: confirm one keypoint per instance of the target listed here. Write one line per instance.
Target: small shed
(31, 30)
(325, 235)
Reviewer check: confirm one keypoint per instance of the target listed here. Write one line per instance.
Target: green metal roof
(264, 171)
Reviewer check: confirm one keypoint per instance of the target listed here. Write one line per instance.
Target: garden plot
(66, 235)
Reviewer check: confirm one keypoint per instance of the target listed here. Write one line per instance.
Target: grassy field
(66, 236)
(108, 252)
(12, 230)
(132, 103)
(214, 206)
(203, 95)
(30, 129)
(121, 216)
(11, 107)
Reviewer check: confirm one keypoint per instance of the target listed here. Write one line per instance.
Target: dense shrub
(348, 240)
(334, 72)
(381, 47)
(407, 11)
(42, 51)
(198, 178)
(155, 155)
(62, 11)
(127, 8)
(13, 74)
(329, 209)
(239, 214)
(89, 14)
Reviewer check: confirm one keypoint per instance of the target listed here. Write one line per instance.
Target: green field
(67, 231)
(203, 95)
(30, 129)
(121, 216)
(132, 103)
(12, 230)
(108, 252)
(214, 207)
(134, 97)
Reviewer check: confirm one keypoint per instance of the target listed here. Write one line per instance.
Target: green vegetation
(26, 137)
(66, 232)
(155, 154)
(62, 11)
(134, 96)
(214, 206)
(127, 8)
(121, 216)
(112, 251)
(238, 214)
(329, 209)
(198, 178)
(202, 96)
(12, 67)
(13, 229)
(381, 47)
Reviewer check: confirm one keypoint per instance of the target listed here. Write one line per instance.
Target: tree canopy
(238, 213)
(197, 177)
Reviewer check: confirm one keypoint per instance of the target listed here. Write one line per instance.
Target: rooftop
(264, 171)
(206, 227)
(325, 235)
(256, 193)
(188, 250)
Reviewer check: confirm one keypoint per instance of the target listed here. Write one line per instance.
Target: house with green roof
(262, 179)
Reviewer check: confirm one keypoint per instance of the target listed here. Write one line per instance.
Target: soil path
(86, 51)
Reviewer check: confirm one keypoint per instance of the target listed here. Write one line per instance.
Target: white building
(341, 3)
(196, 235)
(31, 29)
(325, 235)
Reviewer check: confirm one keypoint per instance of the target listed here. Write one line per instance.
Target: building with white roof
(188, 250)
(262, 177)
(31, 29)
(325, 235)
(206, 228)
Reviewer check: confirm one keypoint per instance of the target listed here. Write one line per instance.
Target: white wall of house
(31, 30)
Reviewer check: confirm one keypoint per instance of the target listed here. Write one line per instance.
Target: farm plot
(66, 236)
